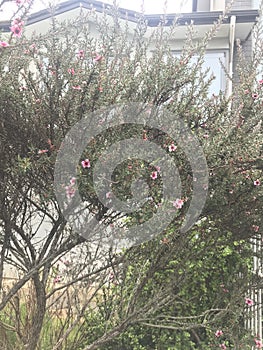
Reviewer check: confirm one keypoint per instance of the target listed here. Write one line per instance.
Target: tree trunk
(39, 314)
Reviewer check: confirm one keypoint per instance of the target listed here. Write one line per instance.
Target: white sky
(156, 6)
(150, 6)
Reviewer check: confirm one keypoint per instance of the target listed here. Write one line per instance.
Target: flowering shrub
(178, 290)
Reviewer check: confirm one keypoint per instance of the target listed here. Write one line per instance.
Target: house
(203, 13)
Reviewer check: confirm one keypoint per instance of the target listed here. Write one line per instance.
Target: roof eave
(197, 18)
(204, 18)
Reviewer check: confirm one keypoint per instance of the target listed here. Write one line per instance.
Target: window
(212, 61)
(208, 5)
(215, 61)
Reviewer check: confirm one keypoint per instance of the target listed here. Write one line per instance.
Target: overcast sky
(156, 6)
(150, 6)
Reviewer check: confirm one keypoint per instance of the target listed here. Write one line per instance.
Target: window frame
(223, 77)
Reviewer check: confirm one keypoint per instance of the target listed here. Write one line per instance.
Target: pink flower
(222, 346)
(3, 44)
(41, 151)
(72, 181)
(165, 240)
(81, 54)
(57, 279)
(18, 22)
(70, 191)
(16, 27)
(98, 58)
(66, 262)
(249, 301)
(259, 344)
(255, 228)
(218, 333)
(77, 87)
(50, 145)
(154, 175)
(178, 203)
(158, 168)
(260, 82)
(21, 2)
(172, 147)
(33, 48)
(71, 71)
(257, 182)
(108, 195)
(254, 96)
(85, 164)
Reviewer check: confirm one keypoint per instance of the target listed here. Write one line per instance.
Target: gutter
(203, 18)
(198, 18)
(232, 30)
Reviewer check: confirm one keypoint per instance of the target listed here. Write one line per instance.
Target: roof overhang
(205, 18)
(202, 21)
(245, 19)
